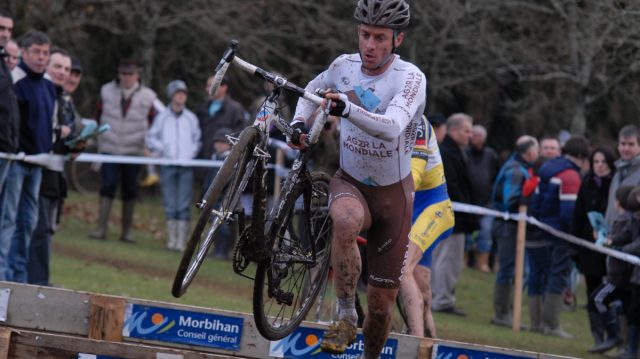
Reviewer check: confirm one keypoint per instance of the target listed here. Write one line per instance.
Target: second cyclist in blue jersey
(380, 100)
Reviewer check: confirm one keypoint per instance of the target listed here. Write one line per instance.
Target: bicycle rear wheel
(287, 283)
(222, 198)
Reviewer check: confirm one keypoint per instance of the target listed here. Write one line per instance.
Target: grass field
(145, 270)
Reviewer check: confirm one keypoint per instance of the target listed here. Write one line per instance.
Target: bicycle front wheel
(221, 198)
(287, 283)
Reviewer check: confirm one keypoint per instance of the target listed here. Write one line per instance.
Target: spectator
(592, 197)
(612, 297)
(9, 126)
(449, 254)
(53, 188)
(554, 205)
(483, 167)
(633, 329)
(514, 183)
(71, 85)
(36, 101)
(549, 148)
(175, 135)
(12, 54)
(627, 167)
(219, 111)
(438, 122)
(127, 106)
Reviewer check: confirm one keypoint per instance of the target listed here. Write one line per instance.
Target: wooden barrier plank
(106, 317)
(47, 309)
(31, 344)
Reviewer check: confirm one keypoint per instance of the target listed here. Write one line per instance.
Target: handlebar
(230, 56)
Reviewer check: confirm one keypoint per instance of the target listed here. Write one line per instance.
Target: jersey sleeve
(325, 80)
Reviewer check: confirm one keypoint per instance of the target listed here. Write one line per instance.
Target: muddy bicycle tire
(290, 237)
(222, 196)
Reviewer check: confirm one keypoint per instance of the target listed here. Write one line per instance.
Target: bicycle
(291, 246)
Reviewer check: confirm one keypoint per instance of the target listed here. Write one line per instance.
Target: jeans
(177, 191)
(539, 266)
(504, 233)
(4, 169)
(40, 248)
(19, 218)
(127, 174)
(484, 239)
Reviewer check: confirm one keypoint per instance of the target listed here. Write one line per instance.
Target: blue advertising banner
(305, 343)
(183, 327)
(447, 352)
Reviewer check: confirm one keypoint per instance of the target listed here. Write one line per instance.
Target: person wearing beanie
(126, 105)
(175, 135)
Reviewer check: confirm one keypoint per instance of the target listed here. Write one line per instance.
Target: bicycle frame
(263, 120)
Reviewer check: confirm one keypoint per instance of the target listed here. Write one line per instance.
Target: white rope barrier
(472, 209)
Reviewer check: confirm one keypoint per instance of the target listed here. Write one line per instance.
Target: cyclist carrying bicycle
(433, 221)
(380, 100)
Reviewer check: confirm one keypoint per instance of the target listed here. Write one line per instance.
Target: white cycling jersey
(377, 138)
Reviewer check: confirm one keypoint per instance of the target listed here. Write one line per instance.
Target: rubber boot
(183, 231)
(551, 310)
(172, 234)
(611, 325)
(596, 324)
(104, 209)
(502, 305)
(535, 313)
(482, 262)
(631, 349)
(127, 221)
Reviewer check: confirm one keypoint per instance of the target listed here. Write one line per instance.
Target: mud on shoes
(339, 337)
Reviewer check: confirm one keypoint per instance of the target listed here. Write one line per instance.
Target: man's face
(628, 147)
(59, 68)
(36, 57)
(179, 100)
(477, 139)
(13, 54)
(462, 134)
(128, 77)
(550, 148)
(532, 154)
(375, 44)
(6, 29)
(73, 81)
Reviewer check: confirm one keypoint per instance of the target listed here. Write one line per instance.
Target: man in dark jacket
(483, 167)
(9, 115)
(36, 100)
(448, 255)
(509, 191)
(219, 111)
(53, 188)
(553, 205)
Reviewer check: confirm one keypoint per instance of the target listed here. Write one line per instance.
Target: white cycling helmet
(393, 14)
